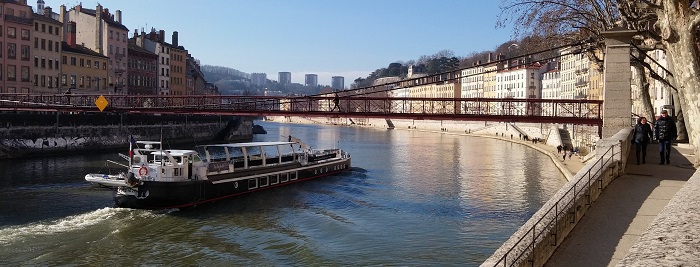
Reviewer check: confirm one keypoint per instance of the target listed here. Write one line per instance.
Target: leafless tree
(670, 25)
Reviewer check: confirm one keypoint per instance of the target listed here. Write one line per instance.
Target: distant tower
(40, 7)
(285, 77)
(338, 82)
(311, 80)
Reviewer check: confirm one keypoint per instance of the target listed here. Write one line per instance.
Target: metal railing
(553, 217)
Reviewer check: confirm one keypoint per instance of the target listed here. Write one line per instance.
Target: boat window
(195, 158)
(287, 153)
(284, 177)
(274, 179)
(253, 151)
(263, 181)
(271, 154)
(215, 152)
(252, 183)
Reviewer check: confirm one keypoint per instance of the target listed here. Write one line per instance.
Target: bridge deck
(577, 111)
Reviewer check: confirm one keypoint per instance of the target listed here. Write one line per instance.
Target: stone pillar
(617, 76)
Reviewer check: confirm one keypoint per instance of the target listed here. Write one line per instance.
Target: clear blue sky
(349, 38)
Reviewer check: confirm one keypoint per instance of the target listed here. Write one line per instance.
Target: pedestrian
(570, 154)
(665, 130)
(641, 136)
(559, 147)
(564, 155)
(336, 101)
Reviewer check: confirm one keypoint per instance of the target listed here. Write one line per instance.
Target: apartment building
(155, 43)
(142, 70)
(178, 67)
(195, 78)
(47, 46)
(15, 41)
(284, 77)
(82, 69)
(104, 33)
(311, 80)
(473, 81)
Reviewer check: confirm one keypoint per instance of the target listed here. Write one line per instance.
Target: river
(411, 198)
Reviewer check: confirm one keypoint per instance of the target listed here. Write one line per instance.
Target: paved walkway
(624, 210)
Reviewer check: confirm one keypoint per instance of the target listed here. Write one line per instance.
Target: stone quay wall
(66, 137)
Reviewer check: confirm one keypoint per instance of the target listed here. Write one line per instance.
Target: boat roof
(174, 152)
(148, 142)
(249, 144)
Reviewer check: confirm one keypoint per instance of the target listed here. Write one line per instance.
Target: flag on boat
(132, 144)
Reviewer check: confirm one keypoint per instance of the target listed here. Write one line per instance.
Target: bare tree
(674, 30)
(673, 25)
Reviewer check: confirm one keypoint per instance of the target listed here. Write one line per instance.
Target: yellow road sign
(101, 103)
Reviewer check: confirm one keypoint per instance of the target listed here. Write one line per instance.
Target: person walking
(665, 130)
(559, 147)
(641, 136)
(336, 101)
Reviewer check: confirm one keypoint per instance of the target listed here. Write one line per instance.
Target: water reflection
(412, 198)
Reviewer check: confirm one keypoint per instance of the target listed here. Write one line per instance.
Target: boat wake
(70, 223)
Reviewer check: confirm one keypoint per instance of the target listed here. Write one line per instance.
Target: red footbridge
(578, 111)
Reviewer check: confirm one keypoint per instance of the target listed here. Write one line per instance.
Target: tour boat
(161, 178)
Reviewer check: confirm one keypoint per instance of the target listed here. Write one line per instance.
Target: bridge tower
(617, 82)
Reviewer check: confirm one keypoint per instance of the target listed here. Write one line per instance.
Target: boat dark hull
(164, 195)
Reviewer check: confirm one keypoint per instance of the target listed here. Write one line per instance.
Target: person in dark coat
(665, 130)
(641, 137)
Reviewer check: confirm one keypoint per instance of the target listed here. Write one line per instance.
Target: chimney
(48, 11)
(78, 7)
(119, 16)
(139, 39)
(70, 38)
(161, 36)
(490, 57)
(152, 35)
(136, 33)
(106, 12)
(175, 38)
(98, 28)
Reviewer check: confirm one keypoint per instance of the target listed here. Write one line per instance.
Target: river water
(411, 198)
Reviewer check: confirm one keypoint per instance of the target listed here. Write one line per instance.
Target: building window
(50, 45)
(56, 67)
(43, 44)
(25, 52)
(65, 60)
(89, 82)
(82, 81)
(82, 62)
(64, 79)
(11, 32)
(97, 64)
(50, 64)
(36, 26)
(50, 81)
(89, 64)
(72, 81)
(25, 73)
(11, 51)
(73, 61)
(43, 63)
(36, 62)
(56, 46)
(25, 34)
(36, 80)
(36, 42)
(43, 80)
(43, 27)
